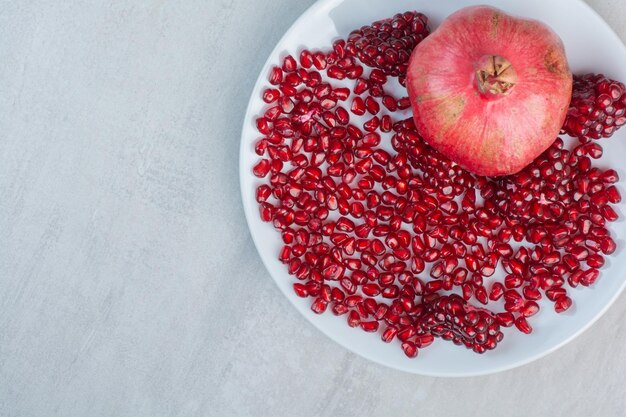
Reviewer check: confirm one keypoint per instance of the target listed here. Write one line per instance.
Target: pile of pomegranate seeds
(407, 243)
(597, 108)
(387, 44)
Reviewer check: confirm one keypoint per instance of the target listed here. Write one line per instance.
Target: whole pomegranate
(489, 90)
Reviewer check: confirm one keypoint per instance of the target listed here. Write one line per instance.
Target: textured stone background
(129, 284)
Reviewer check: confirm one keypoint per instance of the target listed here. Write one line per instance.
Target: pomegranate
(488, 90)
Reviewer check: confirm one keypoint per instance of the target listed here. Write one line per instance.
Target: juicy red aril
(369, 326)
(562, 304)
(409, 349)
(276, 76)
(289, 64)
(595, 261)
(262, 168)
(523, 326)
(530, 309)
(607, 246)
(389, 333)
(319, 306)
(497, 290)
(505, 319)
(354, 319)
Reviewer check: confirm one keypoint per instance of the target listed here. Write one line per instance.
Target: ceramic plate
(591, 47)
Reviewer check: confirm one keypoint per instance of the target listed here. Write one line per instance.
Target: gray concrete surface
(129, 285)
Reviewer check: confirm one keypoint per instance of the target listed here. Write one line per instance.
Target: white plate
(591, 47)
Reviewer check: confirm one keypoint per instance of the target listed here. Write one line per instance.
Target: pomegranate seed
(262, 168)
(319, 306)
(595, 261)
(409, 349)
(300, 290)
(562, 304)
(306, 59)
(530, 309)
(336, 72)
(276, 76)
(372, 105)
(369, 326)
(505, 319)
(270, 95)
(497, 289)
(389, 333)
(522, 325)
(531, 293)
(607, 246)
(481, 294)
(353, 318)
(425, 340)
(371, 290)
(608, 213)
(406, 333)
(289, 64)
(358, 106)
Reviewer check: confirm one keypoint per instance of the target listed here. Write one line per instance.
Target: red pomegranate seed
(389, 334)
(369, 326)
(530, 309)
(358, 106)
(589, 277)
(406, 333)
(336, 72)
(289, 64)
(319, 306)
(505, 319)
(607, 246)
(263, 192)
(481, 294)
(306, 59)
(423, 341)
(262, 168)
(353, 318)
(562, 304)
(522, 325)
(531, 293)
(270, 95)
(595, 261)
(497, 289)
(608, 213)
(371, 290)
(409, 349)
(372, 105)
(276, 76)
(300, 290)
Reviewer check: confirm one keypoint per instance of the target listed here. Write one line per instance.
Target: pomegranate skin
(488, 90)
